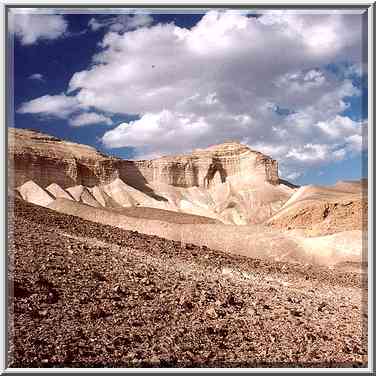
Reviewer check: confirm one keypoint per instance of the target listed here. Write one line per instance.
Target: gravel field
(84, 294)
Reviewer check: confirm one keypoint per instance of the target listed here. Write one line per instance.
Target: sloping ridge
(324, 210)
(103, 198)
(82, 194)
(58, 192)
(256, 242)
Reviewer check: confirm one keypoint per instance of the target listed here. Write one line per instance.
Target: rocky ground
(91, 295)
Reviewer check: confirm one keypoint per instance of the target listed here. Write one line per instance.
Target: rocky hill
(228, 182)
(207, 167)
(46, 159)
(325, 210)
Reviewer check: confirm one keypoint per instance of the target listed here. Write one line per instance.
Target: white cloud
(357, 69)
(30, 28)
(358, 142)
(60, 106)
(340, 127)
(90, 118)
(293, 176)
(121, 23)
(36, 76)
(164, 128)
(224, 79)
(311, 153)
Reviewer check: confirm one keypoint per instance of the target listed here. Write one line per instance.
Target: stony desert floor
(84, 294)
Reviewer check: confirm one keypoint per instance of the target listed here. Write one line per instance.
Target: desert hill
(67, 164)
(199, 260)
(325, 210)
(229, 182)
(227, 197)
(251, 241)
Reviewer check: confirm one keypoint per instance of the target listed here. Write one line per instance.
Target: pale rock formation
(228, 182)
(103, 198)
(76, 191)
(118, 191)
(57, 192)
(82, 194)
(324, 210)
(31, 192)
(211, 166)
(46, 159)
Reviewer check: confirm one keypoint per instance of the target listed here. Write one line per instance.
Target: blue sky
(292, 85)
(57, 61)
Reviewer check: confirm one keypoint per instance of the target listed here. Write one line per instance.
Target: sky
(140, 84)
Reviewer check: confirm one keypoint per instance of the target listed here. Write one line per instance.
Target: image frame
(7, 111)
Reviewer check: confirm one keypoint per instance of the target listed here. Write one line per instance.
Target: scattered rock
(197, 317)
(211, 312)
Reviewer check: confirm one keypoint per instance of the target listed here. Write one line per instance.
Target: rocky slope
(325, 210)
(90, 295)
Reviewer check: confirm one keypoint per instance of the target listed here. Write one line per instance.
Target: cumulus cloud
(60, 106)
(31, 28)
(165, 128)
(120, 23)
(37, 77)
(90, 118)
(262, 80)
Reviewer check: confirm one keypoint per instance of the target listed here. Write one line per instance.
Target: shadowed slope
(82, 194)
(165, 215)
(58, 192)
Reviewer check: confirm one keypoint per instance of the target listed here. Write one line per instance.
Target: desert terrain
(201, 260)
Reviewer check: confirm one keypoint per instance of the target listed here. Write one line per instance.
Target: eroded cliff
(207, 167)
(46, 160)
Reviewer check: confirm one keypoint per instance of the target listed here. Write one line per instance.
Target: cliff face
(207, 167)
(46, 160)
